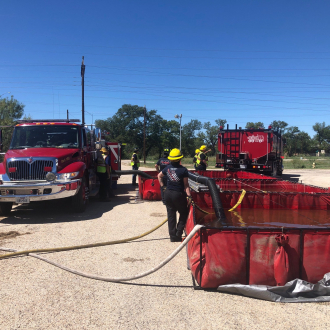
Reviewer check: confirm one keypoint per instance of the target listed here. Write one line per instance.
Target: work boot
(179, 234)
(175, 239)
(105, 200)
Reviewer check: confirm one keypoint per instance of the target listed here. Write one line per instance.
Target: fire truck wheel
(79, 201)
(5, 208)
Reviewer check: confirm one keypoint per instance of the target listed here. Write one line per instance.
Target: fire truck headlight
(67, 176)
(50, 176)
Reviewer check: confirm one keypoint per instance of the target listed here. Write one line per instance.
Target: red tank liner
(252, 253)
(269, 200)
(233, 175)
(150, 189)
(247, 255)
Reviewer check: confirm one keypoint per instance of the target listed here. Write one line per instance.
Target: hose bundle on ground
(118, 279)
(85, 246)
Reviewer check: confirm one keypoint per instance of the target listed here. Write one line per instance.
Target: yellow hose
(240, 219)
(239, 200)
(76, 247)
(232, 209)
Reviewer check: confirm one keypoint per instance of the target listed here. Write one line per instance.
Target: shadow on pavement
(61, 210)
(291, 177)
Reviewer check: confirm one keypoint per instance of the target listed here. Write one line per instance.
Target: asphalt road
(37, 295)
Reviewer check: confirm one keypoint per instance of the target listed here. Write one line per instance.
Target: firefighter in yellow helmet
(176, 194)
(101, 171)
(197, 151)
(202, 159)
(135, 163)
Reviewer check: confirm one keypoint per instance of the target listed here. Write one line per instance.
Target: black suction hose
(217, 205)
(141, 173)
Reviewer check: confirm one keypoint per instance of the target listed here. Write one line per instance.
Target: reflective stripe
(137, 162)
(198, 162)
(101, 169)
(101, 166)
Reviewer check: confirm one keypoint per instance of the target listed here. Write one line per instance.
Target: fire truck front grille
(18, 170)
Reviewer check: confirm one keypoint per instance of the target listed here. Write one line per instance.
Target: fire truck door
(115, 156)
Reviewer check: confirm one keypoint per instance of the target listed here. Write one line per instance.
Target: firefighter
(135, 165)
(197, 151)
(176, 194)
(109, 177)
(202, 159)
(160, 165)
(101, 171)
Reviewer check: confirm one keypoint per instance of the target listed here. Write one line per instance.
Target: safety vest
(101, 166)
(137, 161)
(199, 161)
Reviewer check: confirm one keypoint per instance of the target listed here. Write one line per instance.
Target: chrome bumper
(15, 191)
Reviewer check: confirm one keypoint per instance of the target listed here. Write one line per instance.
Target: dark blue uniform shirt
(175, 174)
(163, 162)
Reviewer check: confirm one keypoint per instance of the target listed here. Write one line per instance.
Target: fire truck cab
(49, 159)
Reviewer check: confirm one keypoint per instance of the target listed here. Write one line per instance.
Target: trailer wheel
(80, 200)
(5, 208)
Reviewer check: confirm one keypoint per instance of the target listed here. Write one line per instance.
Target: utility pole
(67, 114)
(83, 92)
(177, 116)
(144, 135)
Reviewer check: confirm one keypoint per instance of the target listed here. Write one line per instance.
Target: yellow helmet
(203, 148)
(104, 150)
(197, 151)
(175, 154)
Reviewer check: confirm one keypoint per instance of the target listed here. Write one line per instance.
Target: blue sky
(235, 60)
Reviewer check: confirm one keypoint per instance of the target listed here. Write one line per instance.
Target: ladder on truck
(233, 144)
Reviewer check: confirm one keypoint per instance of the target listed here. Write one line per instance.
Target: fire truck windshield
(45, 136)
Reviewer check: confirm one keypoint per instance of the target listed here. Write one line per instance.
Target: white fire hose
(118, 279)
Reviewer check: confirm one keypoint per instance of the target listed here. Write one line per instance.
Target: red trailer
(254, 150)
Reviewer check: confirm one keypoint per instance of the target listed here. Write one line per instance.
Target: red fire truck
(50, 159)
(255, 150)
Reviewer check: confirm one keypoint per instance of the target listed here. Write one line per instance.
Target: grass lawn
(306, 162)
(289, 162)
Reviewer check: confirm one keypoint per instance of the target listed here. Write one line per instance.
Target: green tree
(291, 140)
(322, 132)
(221, 122)
(279, 125)
(256, 125)
(10, 111)
(127, 126)
(170, 135)
(322, 136)
(303, 143)
(209, 136)
(188, 136)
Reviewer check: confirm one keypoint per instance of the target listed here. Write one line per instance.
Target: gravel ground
(36, 295)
